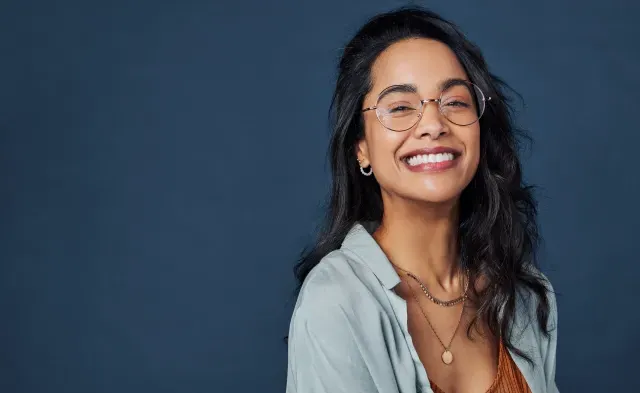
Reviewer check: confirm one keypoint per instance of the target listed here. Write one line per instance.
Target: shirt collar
(360, 242)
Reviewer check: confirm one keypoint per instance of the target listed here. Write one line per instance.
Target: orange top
(509, 379)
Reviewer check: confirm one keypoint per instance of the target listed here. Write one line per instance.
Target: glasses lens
(399, 111)
(462, 103)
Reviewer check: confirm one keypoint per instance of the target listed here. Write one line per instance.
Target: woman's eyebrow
(411, 88)
(402, 88)
(450, 82)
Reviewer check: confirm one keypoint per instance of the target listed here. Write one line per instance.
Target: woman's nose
(431, 122)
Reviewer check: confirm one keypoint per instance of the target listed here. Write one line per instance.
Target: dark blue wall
(162, 163)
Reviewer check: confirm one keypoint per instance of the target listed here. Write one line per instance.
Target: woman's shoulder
(339, 284)
(529, 295)
(335, 335)
(529, 300)
(335, 280)
(532, 338)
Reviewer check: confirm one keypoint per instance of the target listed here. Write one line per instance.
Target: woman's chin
(443, 197)
(438, 190)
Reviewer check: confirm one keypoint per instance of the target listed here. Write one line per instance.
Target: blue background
(162, 163)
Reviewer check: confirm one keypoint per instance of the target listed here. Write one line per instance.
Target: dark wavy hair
(498, 232)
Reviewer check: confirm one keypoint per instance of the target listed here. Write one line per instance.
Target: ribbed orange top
(509, 379)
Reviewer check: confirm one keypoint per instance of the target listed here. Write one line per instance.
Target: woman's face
(401, 161)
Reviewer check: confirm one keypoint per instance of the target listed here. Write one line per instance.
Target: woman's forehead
(421, 62)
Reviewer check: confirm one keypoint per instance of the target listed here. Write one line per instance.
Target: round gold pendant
(447, 357)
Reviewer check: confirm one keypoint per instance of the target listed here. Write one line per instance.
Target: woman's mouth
(434, 162)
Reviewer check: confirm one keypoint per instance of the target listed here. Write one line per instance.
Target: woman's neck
(424, 241)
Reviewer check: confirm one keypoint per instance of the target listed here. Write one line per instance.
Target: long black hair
(498, 232)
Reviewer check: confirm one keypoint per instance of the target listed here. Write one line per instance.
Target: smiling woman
(424, 277)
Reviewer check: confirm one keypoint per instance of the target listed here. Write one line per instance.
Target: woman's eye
(399, 108)
(459, 104)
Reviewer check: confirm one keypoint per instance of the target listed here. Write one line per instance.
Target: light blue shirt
(349, 331)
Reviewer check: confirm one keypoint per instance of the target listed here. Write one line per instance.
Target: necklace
(443, 303)
(447, 356)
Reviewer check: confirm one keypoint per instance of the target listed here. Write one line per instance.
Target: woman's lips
(431, 162)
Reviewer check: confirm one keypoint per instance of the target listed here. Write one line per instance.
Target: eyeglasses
(399, 107)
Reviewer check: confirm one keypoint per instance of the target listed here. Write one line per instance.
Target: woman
(424, 277)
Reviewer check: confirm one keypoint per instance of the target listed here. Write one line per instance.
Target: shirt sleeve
(550, 359)
(324, 355)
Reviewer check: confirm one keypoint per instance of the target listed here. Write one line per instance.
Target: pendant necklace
(447, 355)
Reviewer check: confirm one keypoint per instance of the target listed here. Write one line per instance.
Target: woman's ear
(362, 153)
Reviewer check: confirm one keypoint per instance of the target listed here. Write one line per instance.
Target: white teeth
(429, 158)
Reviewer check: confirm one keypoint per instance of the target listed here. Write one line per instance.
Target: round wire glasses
(400, 107)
